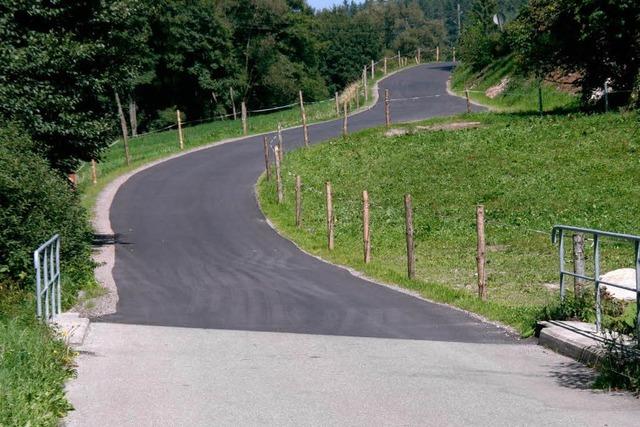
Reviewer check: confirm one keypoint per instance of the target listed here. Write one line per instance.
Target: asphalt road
(275, 337)
(194, 250)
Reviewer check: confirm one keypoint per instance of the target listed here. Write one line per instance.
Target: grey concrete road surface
(131, 375)
(221, 321)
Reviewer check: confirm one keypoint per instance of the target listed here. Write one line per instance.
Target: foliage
(598, 39)
(34, 366)
(35, 203)
(61, 62)
(505, 164)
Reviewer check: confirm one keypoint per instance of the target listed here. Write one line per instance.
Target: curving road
(194, 249)
(276, 337)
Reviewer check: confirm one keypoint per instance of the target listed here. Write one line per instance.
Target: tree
(61, 63)
(599, 39)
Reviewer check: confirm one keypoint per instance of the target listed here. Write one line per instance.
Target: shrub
(36, 203)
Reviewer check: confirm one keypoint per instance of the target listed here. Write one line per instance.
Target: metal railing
(557, 235)
(46, 260)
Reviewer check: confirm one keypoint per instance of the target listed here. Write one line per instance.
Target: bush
(36, 203)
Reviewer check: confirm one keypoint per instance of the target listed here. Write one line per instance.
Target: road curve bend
(194, 250)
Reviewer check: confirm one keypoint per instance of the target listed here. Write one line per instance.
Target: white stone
(624, 277)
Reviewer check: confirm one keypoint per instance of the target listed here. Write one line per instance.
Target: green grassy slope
(520, 95)
(529, 172)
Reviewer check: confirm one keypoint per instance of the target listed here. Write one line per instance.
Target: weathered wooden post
(305, 130)
(277, 155)
(94, 172)
(298, 201)
(419, 55)
(180, 135)
(373, 70)
(123, 127)
(466, 92)
(329, 215)
(233, 103)
(578, 264)
(366, 236)
(411, 260)
(265, 144)
(385, 66)
(387, 108)
(244, 118)
(280, 142)
(364, 84)
(481, 253)
(454, 54)
(399, 60)
(437, 53)
(337, 105)
(345, 131)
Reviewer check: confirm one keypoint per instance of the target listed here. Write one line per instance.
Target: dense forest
(64, 62)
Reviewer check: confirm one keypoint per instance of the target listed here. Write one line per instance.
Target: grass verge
(530, 172)
(520, 94)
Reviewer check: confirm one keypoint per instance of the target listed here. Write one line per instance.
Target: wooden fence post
(244, 118)
(233, 103)
(357, 98)
(265, 143)
(345, 130)
(481, 253)
(337, 105)
(373, 70)
(180, 135)
(454, 54)
(305, 130)
(366, 236)
(466, 92)
(419, 55)
(364, 84)
(411, 260)
(94, 173)
(278, 175)
(578, 264)
(280, 143)
(123, 127)
(437, 53)
(329, 215)
(298, 201)
(385, 66)
(387, 108)
(399, 60)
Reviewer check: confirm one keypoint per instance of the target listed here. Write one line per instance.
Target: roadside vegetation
(37, 202)
(529, 172)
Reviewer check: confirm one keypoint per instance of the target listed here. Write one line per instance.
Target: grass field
(520, 95)
(147, 148)
(530, 172)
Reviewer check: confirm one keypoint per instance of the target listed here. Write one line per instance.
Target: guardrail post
(578, 263)
(561, 255)
(596, 276)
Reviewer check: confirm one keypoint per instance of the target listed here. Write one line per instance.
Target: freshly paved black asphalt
(194, 249)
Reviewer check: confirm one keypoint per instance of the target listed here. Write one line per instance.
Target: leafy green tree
(60, 64)
(599, 39)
